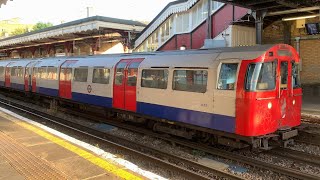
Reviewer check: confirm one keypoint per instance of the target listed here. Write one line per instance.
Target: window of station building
(190, 80)
(295, 75)
(101, 75)
(228, 76)
(182, 22)
(261, 76)
(155, 78)
(199, 13)
(80, 74)
(215, 5)
(52, 73)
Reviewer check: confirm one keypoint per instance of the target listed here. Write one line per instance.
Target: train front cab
(269, 97)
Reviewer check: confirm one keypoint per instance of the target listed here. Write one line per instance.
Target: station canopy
(279, 9)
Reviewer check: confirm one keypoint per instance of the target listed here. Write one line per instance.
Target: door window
(132, 74)
(295, 75)
(120, 73)
(284, 74)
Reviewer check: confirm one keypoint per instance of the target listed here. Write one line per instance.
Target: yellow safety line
(86, 155)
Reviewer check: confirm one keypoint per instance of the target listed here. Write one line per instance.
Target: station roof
(74, 30)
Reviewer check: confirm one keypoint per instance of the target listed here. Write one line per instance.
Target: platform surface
(311, 105)
(27, 152)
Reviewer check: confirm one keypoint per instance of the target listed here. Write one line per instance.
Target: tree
(18, 31)
(41, 25)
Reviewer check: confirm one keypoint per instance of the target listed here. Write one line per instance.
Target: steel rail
(99, 134)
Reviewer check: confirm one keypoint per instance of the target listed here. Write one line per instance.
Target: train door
(125, 82)
(284, 91)
(7, 75)
(65, 79)
(28, 76)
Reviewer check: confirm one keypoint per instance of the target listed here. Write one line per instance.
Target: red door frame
(65, 77)
(27, 76)
(124, 94)
(7, 75)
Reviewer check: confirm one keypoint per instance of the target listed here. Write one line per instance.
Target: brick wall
(309, 53)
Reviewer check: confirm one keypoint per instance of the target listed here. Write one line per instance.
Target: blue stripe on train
(17, 86)
(92, 99)
(48, 91)
(208, 120)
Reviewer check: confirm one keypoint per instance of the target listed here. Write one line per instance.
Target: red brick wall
(199, 35)
(184, 40)
(170, 45)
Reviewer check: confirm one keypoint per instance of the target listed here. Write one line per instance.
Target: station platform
(311, 106)
(29, 152)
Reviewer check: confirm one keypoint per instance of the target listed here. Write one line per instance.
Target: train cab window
(284, 75)
(80, 74)
(228, 76)
(52, 73)
(261, 76)
(101, 75)
(157, 79)
(295, 75)
(190, 80)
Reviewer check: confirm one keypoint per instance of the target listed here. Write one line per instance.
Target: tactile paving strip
(27, 164)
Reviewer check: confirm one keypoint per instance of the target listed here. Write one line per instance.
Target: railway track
(112, 141)
(297, 156)
(210, 150)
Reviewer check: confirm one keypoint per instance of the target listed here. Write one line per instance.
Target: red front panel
(7, 77)
(65, 79)
(261, 112)
(124, 86)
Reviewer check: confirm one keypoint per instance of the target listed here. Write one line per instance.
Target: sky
(58, 11)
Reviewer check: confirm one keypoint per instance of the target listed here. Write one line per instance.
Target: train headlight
(294, 102)
(269, 105)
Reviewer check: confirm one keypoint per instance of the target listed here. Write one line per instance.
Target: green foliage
(41, 25)
(18, 31)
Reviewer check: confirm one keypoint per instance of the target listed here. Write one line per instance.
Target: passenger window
(120, 73)
(52, 73)
(228, 76)
(20, 71)
(190, 80)
(41, 73)
(157, 79)
(295, 75)
(80, 74)
(101, 75)
(132, 74)
(284, 75)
